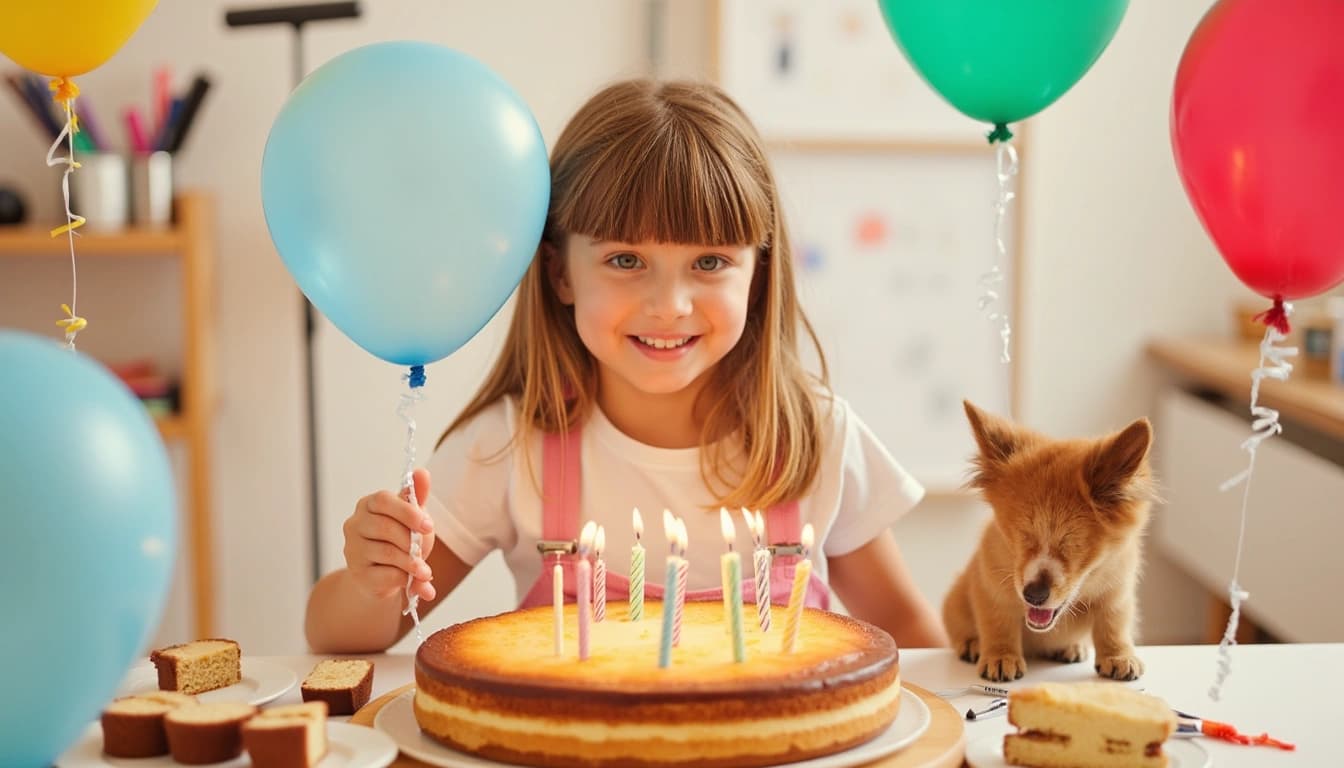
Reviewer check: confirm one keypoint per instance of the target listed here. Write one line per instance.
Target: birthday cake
(495, 687)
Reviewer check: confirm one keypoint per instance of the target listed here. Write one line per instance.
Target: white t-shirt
(484, 499)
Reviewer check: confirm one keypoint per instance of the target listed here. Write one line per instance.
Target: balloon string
(65, 91)
(1264, 424)
(1006, 169)
(415, 380)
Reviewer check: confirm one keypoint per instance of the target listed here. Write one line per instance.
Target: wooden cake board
(943, 745)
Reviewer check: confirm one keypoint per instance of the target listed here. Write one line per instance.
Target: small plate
(262, 681)
(397, 720)
(348, 746)
(987, 752)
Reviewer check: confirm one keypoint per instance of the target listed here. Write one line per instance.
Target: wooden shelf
(190, 241)
(30, 241)
(1225, 366)
(172, 428)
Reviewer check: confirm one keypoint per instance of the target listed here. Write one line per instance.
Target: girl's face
(656, 316)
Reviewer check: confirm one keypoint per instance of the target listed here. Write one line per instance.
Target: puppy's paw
(1003, 667)
(1069, 654)
(1120, 667)
(968, 649)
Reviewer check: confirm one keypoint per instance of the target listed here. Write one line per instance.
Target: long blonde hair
(673, 162)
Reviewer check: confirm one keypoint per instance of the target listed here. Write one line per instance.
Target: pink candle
(683, 568)
(599, 576)
(584, 587)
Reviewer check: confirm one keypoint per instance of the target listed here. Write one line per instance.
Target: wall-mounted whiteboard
(814, 69)
(890, 248)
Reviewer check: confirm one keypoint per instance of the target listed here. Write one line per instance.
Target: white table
(1290, 691)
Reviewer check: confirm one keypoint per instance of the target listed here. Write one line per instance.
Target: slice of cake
(133, 725)
(199, 666)
(1089, 723)
(345, 685)
(287, 737)
(207, 733)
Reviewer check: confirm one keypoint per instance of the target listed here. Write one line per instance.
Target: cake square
(293, 736)
(1088, 723)
(343, 684)
(198, 666)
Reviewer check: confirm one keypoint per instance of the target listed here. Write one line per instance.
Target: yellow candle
(731, 567)
(637, 570)
(801, 573)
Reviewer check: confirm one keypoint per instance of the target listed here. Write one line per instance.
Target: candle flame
(726, 524)
(808, 539)
(751, 526)
(760, 528)
(586, 537)
(682, 539)
(599, 542)
(638, 523)
(670, 530)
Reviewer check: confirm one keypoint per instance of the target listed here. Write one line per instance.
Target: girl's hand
(378, 542)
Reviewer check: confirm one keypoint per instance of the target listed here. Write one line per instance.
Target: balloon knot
(63, 89)
(416, 378)
(1000, 133)
(1276, 316)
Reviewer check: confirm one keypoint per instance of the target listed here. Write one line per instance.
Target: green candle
(731, 566)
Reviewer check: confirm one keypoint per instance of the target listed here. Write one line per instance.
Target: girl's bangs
(669, 187)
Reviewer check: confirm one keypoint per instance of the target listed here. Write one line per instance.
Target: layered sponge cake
(1097, 724)
(343, 684)
(199, 666)
(287, 737)
(133, 725)
(495, 688)
(207, 733)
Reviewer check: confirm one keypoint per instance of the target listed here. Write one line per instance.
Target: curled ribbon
(415, 380)
(1006, 169)
(64, 91)
(1264, 425)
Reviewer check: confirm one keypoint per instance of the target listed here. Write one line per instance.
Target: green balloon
(1001, 61)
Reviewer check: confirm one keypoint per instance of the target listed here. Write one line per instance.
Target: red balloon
(1257, 127)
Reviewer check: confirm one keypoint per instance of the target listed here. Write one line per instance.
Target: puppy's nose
(1038, 591)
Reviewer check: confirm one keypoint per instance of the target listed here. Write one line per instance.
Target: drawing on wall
(890, 245)
(828, 71)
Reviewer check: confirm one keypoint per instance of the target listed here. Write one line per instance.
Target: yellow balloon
(64, 38)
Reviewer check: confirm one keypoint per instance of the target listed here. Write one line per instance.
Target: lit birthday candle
(801, 573)
(584, 587)
(599, 575)
(731, 567)
(637, 569)
(683, 567)
(669, 591)
(761, 555)
(558, 601)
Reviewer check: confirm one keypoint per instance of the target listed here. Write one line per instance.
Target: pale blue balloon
(90, 531)
(405, 186)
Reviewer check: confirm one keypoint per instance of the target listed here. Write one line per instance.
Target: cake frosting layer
(494, 687)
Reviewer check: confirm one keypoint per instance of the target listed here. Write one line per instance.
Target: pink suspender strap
(560, 484)
(783, 525)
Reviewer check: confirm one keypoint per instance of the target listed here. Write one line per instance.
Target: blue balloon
(405, 186)
(90, 530)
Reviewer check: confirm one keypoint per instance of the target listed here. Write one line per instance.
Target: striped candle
(683, 567)
(599, 576)
(637, 570)
(584, 587)
(669, 588)
(801, 573)
(756, 524)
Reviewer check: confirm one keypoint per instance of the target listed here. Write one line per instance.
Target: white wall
(1113, 255)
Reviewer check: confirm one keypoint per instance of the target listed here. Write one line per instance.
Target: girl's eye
(624, 261)
(710, 263)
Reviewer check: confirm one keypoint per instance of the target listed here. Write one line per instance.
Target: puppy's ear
(1113, 470)
(998, 440)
